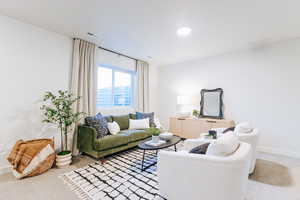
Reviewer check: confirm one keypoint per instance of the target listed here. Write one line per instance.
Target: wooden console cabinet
(192, 128)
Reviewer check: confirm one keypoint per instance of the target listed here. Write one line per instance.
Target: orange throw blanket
(24, 151)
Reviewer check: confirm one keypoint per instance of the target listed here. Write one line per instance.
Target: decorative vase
(63, 160)
(155, 138)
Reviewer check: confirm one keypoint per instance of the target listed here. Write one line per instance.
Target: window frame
(118, 69)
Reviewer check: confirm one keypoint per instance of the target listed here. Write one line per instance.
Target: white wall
(32, 61)
(260, 85)
(153, 88)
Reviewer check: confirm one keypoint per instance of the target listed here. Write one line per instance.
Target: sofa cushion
(108, 118)
(122, 120)
(135, 135)
(140, 115)
(111, 141)
(99, 123)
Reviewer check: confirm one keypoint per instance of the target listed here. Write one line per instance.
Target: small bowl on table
(166, 136)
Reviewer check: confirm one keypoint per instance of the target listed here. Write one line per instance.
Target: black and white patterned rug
(120, 177)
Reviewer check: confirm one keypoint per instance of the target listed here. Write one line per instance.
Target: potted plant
(196, 113)
(58, 110)
(155, 134)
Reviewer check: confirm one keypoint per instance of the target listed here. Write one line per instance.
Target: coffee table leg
(175, 147)
(143, 160)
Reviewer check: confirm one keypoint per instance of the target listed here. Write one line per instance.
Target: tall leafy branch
(58, 109)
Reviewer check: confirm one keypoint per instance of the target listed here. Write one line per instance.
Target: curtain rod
(120, 54)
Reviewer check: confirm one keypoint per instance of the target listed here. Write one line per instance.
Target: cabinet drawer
(194, 128)
(222, 124)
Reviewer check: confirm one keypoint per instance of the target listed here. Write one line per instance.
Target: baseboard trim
(279, 152)
(4, 169)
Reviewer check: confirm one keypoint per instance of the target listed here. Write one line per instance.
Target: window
(115, 87)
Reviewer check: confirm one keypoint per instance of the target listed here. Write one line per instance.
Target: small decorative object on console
(213, 134)
(196, 113)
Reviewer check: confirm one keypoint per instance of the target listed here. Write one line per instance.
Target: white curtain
(142, 86)
(83, 80)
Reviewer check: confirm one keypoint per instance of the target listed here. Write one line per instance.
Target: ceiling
(143, 28)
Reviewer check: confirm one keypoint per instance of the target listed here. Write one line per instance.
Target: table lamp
(183, 106)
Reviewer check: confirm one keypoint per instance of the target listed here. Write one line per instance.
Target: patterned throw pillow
(140, 115)
(99, 123)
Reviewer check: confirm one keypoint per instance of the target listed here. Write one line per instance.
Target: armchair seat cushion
(135, 135)
(111, 141)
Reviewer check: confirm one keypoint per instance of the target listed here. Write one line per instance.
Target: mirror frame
(203, 91)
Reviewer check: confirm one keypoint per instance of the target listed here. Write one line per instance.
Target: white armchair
(252, 139)
(182, 175)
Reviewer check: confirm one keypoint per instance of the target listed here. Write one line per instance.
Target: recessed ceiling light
(184, 31)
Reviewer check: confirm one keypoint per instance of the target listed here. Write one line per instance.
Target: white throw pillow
(244, 127)
(157, 123)
(224, 145)
(113, 127)
(139, 123)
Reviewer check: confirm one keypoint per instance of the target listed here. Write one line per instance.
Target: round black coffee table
(142, 145)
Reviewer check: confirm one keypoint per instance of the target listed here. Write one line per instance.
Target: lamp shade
(183, 100)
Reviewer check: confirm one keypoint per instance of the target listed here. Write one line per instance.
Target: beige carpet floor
(275, 178)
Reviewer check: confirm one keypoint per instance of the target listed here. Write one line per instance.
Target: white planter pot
(155, 139)
(63, 160)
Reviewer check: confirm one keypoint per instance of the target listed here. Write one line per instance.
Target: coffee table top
(173, 141)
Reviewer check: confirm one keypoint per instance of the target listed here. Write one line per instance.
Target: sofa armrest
(86, 138)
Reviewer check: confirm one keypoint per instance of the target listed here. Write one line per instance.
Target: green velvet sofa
(88, 143)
